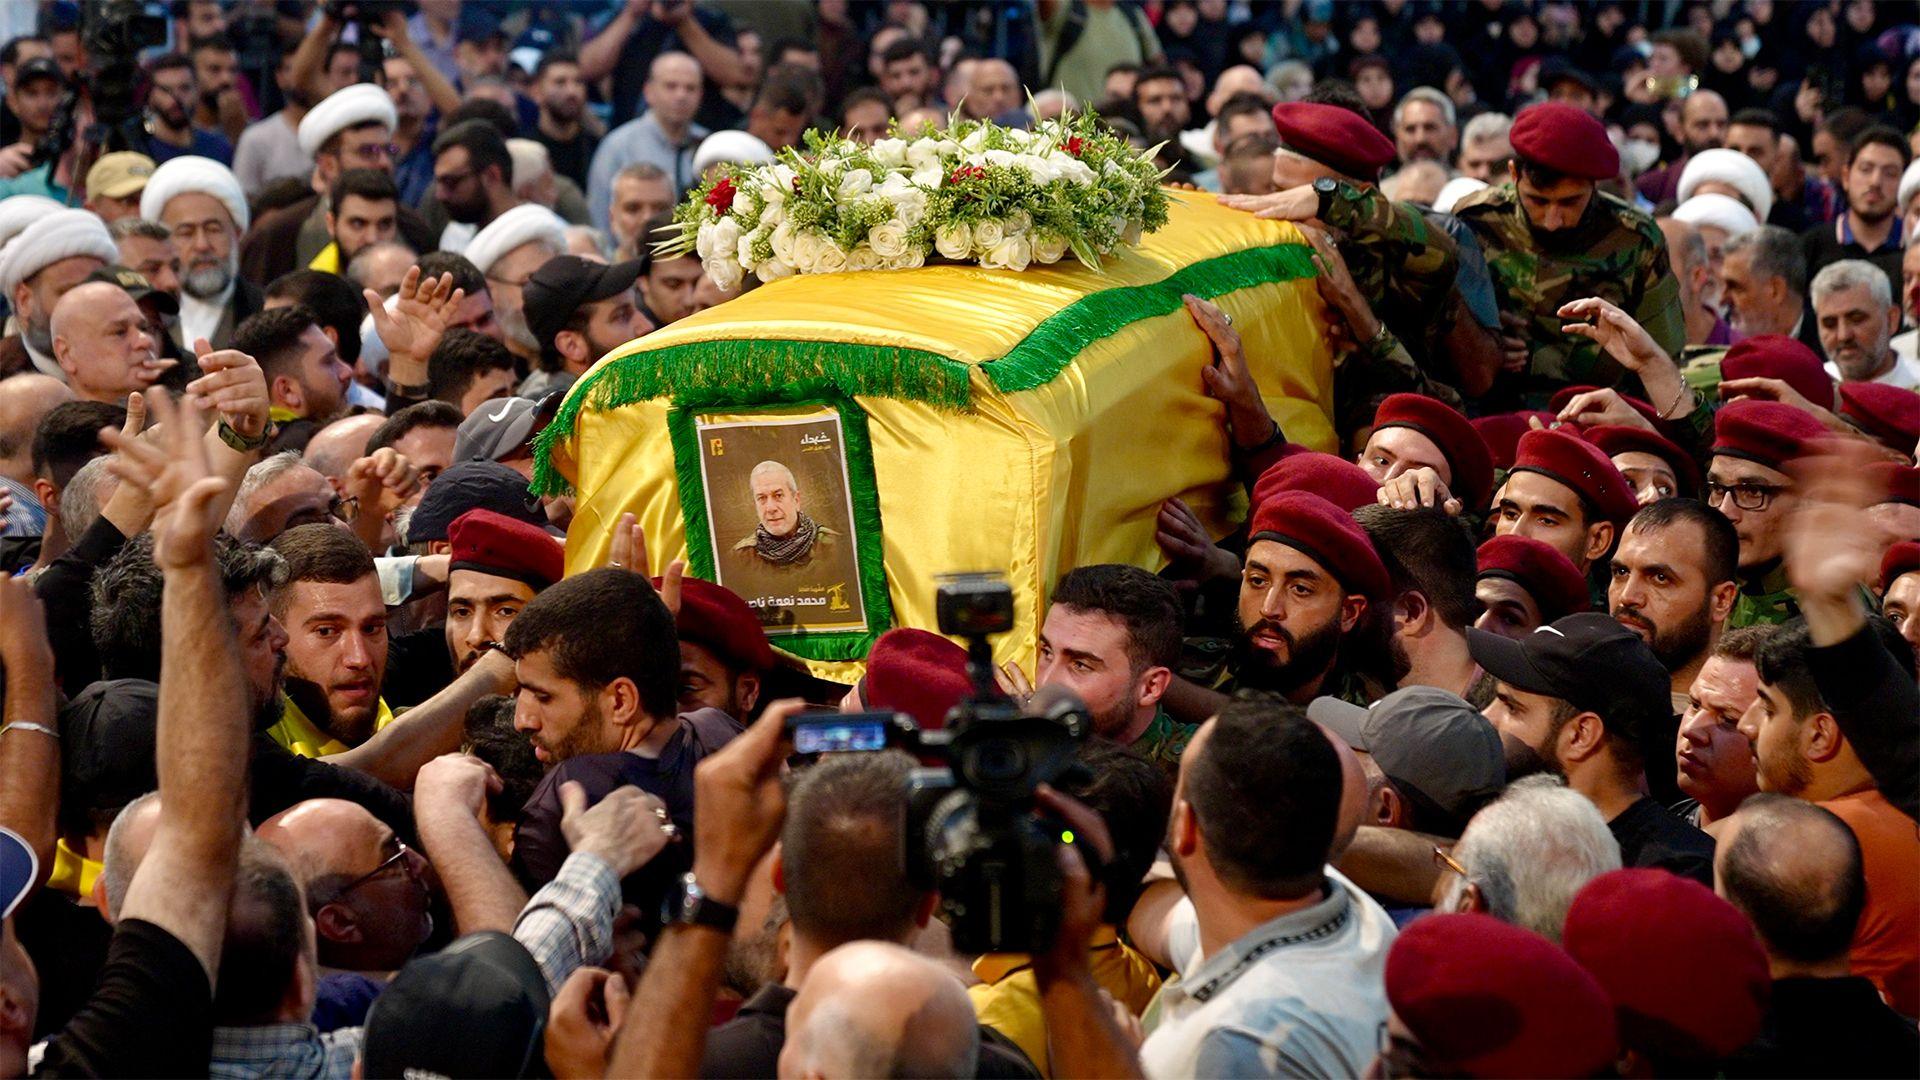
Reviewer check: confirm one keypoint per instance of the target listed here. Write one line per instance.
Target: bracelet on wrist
(28, 725)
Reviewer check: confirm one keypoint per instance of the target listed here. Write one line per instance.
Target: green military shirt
(1764, 602)
(1616, 253)
(1164, 740)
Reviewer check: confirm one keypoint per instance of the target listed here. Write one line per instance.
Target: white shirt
(200, 318)
(45, 365)
(1905, 372)
(1302, 995)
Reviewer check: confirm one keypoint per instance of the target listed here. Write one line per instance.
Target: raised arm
(597, 57)
(433, 727)
(201, 740)
(446, 811)
(308, 65)
(29, 738)
(439, 91)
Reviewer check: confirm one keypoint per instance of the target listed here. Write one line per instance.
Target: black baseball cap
(137, 286)
(1589, 661)
(40, 67)
(107, 746)
(476, 1008)
(472, 485)
(566, 282)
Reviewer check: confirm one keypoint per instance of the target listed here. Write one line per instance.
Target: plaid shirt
(283, 1050)
(569, 922)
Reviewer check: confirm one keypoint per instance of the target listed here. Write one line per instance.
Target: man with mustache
(336, 624)
(498, 566)
(201, 203)
(1672, 583)
(1552, 236)
(1311, 577)
(172, 96)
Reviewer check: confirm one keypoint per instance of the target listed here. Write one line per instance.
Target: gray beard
(513, 322)
(210, 283)
(39, 337)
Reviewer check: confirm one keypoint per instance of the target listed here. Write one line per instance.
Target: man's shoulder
(1487, 203)
(1631, 220)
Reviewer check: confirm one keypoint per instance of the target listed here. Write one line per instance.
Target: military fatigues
(1164, 741)
(1764, 602)
(1616, 253)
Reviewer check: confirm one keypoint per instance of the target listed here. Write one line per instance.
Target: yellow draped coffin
(1021, 422)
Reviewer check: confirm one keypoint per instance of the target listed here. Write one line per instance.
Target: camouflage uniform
(1164, 741)
(1765, 602)
(1616, 253)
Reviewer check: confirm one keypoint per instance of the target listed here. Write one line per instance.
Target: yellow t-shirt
(303, 737)
(328, 261)
(1007, 998)
(73, 873)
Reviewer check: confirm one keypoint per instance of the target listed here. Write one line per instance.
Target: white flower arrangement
(1001, 197)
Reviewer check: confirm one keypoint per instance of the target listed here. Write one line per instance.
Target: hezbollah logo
(837, 598)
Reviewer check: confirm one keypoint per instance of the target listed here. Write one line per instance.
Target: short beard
(38, 333)
(1677, 648)
(1862, 369)
(210, 283)
(1308, 658)
(513, 323)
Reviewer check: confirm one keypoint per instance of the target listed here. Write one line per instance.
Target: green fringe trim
(1044, 353)
(702, 560)
(736, 373)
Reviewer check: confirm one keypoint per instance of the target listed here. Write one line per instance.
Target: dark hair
(465, 275)
(786, 91)
(486, 148)
(569, 621)
(1720, 544)
(1809, 918)
(554, 56)
(10, 52)
(461, 357)
(1880, 135)
(331, 145)
(279, 193)
(904, 49)
(495, 115)
(1782, 663)
(173, 61)
(417, 415)
(1336, 92)
(265, 940)
(323, 553)
(1265, 791)
(1756, 117)
(339, 47)
(125, 620)
(1844, 123)
(782, 46)
(861, 97)
(1743, 643)
(1688, 43)
(1155, 74)
(491, 738)
(1134, 797)
(335, 304)
(69, 436)
(272, 338)
(1430, 552)
(371, 184)
(1146, 605)
(1541, 176)
(843, 849)
(217, 42)
(1242, 104)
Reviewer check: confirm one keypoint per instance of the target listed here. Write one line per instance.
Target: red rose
(1073, 146)
(721, 197)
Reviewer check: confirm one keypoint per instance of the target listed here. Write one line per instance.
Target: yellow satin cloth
(1029, 483)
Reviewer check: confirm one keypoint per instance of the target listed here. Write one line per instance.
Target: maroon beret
(1326, 534)
(1887, 413)
(714, 617)
(1338, 138)
(1580, 465)
(1901, 558)
(1335, 479)
(1765, 431)
(1538, 567)
(1688, 981)
(1466, 452)
(492, 543)
(1501, 432)
(1898, 483)
(1615, 439)
(1567, 393)
(1777, 356)
(1555, 135)
(916, 672)
(1484, 998)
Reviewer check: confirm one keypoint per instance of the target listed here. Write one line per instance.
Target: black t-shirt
(1829, 1027)
(151, 1013)
(1650, 837)
(418, 666)
(749, 1044)
(648, 41)
(572, 157)
(1823, 248)
(68, 944)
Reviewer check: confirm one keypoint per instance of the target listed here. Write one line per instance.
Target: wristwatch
(687, 904)
(241, 442)
(1326, 187)
(493, 646)
(408, 390)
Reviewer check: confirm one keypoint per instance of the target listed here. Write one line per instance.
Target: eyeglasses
(1444, 862)
(376, 152)
(398, 856)
(347, 509)
(1745, 496)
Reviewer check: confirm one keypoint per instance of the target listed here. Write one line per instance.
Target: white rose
(725, 273)
(703, 241)
(1048, 248)
(998, 157)
(891, 153)
(1132, 235)
(1013, 253)
(889, 239)
(929, 175)
(806, 252)
(744, 248)
(954, 241)
(773, 215)
(1076, 171)
(831, 260)
(782, 241)
(1019, 223)
(922, 153)
(975, 141)
(855, 183)
(726, 235)
(772, 270)
(913, 259)
(910, 206)
(987, 234)
(863, 258)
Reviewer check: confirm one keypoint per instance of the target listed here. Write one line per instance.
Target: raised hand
(1418, 487)
(233, 385)
(382, 480)
(1337, 287)
(1768, 389)
(1013, 682)
(422, 312)
(1186, 544)
(581, 1022)
(179, 483)
(1300, 203)
(454, 783)
(1593, 408)
(629, 552)
(1228, 379)
(1832, 543)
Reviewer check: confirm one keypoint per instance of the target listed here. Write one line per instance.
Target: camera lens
(999, 761)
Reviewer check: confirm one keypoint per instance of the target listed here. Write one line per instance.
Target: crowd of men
(1562, 720)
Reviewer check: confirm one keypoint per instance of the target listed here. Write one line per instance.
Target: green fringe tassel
(1044, 353)
(743, 373)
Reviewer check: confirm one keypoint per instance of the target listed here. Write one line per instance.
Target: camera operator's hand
(15, 160)
(1083, 900)
(580, 1025)
(739, 804)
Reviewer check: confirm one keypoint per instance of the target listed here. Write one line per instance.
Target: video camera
(973, 830)
(368, 15)
(113, 33)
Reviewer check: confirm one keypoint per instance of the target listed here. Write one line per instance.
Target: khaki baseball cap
(119, 175)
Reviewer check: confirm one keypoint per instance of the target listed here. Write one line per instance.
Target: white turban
(1729, 167)
(19, 211)
(1909, 184)
(522, 224)
(735, 147)
(1729, 215)
(58, 234)
(361, 103)
(184, 175)
(1456, 189)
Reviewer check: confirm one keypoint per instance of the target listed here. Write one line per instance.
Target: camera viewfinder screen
(833, 737)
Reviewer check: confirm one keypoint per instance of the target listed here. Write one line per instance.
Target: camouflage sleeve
(1375, 222)
(1659, 309)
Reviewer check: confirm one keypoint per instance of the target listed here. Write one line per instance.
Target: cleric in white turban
(1719, 218)
(37, 268)
(200, 201)
(508, 251)
(343, 110)
(1730, 173)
